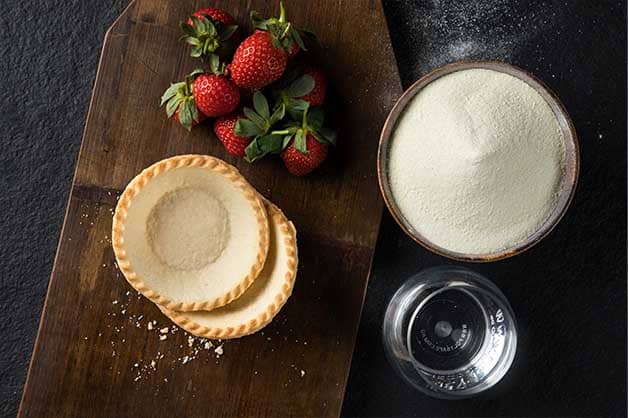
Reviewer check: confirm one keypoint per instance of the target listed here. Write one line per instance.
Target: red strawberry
(216, 15)
(300, 164)
(215, 95)
(316, 97)
(224, 130)
(257, 62)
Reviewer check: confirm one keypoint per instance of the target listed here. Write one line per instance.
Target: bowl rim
(568, 182)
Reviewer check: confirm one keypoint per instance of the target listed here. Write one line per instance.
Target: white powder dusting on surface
(476, 162)
(452, 30)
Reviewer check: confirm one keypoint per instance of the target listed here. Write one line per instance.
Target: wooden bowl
(567, 185)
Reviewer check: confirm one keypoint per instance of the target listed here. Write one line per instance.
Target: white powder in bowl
(475, 162)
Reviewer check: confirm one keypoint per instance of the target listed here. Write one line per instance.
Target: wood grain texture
(83, 361)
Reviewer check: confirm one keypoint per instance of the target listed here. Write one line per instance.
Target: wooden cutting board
(95, 354)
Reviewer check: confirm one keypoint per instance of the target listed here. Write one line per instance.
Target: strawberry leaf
(252, 152)
(283, 33)
(300, 143)
(297, 38)
(192, 41)
(197, 51)
(197, 71)
(254, 117)
(172, 106)
(227, 32)
(301, 86)
(199, 25)
(245, 127)
(286, 140)
(185, 115)
(315, 118)
(194, 111)
(296, 107)
(210, 45)
(187, 29)
(263, 145)
(258, 21)
(214, 64)
(278, 114)
(261, 105)
(329, 135)
(211, 28)
(270, 143)
(170, 92)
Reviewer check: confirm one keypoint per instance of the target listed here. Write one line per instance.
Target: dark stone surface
(569, 293)
(49, 54)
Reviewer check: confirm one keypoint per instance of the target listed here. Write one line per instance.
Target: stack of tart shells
(194, 237)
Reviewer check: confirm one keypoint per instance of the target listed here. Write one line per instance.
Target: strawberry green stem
(286, 31)
(304, 122)
(282, 12)
(186, 85)
(282, 132)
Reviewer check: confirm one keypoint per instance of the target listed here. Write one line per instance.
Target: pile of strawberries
(265, 96)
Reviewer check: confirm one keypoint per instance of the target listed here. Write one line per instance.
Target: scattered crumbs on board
(169, 356)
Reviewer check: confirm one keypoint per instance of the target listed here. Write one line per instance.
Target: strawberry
(305, 144)
(224, 130)
(216, 15)
(257, 62)
(181, 104)
(215, 95)
(211, 32)
(300, 163)
(262, 57)
(316, 96)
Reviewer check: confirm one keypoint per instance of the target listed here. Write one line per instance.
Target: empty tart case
(262, 301)
(190, 233)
